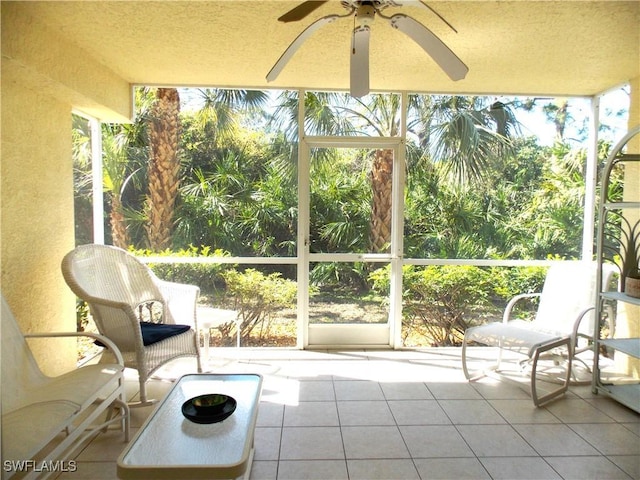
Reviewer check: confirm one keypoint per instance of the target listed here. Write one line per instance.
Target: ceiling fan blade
(360, 61)
(295, 45)
(448, 61)
(301, 11)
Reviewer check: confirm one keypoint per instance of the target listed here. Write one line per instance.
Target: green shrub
(515, 280)
(207, 276)
(509, 282)
(257, 296)
(440, 299)
(444, 301)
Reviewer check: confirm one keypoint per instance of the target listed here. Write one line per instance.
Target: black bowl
(211, 408)
(209, 404)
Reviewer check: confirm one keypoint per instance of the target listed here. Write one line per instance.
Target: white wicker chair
(46, 418)
(564, 315)
(119, 288)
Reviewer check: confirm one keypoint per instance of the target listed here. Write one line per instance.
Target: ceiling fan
(365, 12)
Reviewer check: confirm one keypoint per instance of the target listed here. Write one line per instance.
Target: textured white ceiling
(511, 47)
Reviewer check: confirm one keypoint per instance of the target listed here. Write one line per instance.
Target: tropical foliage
(221, 179)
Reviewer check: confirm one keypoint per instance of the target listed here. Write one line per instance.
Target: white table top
(170, 446)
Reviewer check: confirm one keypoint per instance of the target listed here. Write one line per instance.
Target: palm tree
(115, 166)
(82, 179)
(464, 134)
(163, 168)
(222, 109)
(459, 133)
(215, 178)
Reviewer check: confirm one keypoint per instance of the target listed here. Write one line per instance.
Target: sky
(614, 107)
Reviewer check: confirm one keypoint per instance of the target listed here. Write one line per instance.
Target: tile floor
(404, 415)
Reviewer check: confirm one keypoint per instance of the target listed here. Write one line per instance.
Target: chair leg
(465, 369)
(125, 414)
(539, 400)
(480, 373)
(199, 362)
(144, 401)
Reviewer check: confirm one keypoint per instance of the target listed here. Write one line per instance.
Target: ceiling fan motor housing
(365, 13)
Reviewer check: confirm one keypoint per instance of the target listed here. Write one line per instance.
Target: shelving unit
(613, 217)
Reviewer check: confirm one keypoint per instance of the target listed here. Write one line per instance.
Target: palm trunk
(119, 234)
(381, 183)
(164, 168)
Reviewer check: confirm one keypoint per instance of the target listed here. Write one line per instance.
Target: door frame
(372, 335)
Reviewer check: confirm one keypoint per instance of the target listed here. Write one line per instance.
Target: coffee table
(168, 446)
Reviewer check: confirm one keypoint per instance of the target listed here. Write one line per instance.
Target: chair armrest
(576, 326)
(101, 338)
(506, 317)
(182, 300)
(171, 289)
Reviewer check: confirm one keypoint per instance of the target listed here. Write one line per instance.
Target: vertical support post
(591, 173)
(97, 181)
(397, 231)
(302, 340)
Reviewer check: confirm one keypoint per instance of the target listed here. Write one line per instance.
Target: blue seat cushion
(156, 332)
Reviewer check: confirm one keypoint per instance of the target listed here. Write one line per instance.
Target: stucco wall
(37, 216)
(44, 78)
(53, 65)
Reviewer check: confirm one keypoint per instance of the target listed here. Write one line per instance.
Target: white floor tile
(358, 390)
(388, 469)
(405, 414)
(628, 463)
(365, 412)
(570, 410)
(311, 443)
(522, 411)
(418, 412)
(453, 391)
(373, 442)
(555, 440)
(587, 468)
(435, 441)
(270, 414)
(312, 470)
(609, 439)
(495, 441)
(311, 414)
(451, 468)
(317, 391)
(267, 443)
(468, 412)
(405, 391)
(264, 470)
(521, 468)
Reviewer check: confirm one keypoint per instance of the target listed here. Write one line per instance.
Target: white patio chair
(46, 418)
(564, 316)
(150, 320)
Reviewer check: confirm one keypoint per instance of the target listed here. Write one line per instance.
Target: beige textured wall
(57, 67)
(43, 79)
(37, 216)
